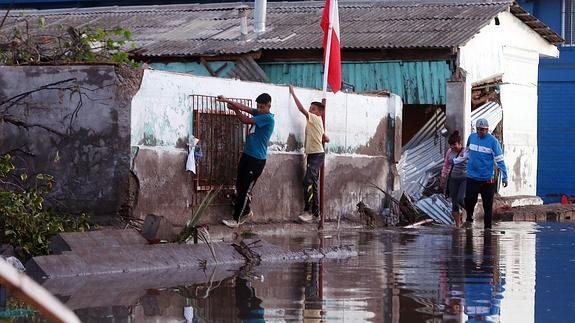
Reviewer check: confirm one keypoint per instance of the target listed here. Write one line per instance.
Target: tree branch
(22, 124)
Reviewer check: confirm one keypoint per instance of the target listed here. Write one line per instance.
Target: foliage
(26, 223)
(34, 42)
(194, 231)
(16, 309)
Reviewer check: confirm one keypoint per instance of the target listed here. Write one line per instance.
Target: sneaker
(231, 223)
(245, 217)
(306, 217)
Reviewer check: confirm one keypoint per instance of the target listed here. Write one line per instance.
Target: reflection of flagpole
(320, 283)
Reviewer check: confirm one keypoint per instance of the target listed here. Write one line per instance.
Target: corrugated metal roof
(209, 29)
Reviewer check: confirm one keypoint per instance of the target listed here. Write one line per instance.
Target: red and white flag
(331, 54)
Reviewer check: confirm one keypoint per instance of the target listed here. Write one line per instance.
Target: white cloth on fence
(191, 162)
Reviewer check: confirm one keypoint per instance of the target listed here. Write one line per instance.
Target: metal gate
(222, 137)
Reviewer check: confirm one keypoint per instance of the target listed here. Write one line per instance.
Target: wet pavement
(518, 272)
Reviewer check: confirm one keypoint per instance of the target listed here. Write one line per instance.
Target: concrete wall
(78, 130)
(512, 49)
(361, 129)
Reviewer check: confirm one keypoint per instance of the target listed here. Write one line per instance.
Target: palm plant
(193, 231)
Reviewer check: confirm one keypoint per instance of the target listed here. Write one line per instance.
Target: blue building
(556, 117)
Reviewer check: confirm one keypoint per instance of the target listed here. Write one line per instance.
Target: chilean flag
(331, 56)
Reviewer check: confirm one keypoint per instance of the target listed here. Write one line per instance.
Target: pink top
(446, 164)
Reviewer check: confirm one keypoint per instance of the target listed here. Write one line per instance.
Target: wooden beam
(28, 290)
(361, 55)
(405, 54)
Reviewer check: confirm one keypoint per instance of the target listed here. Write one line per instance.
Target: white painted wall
(483, 56)
(519, 101)
(161, 108)
(513, 50)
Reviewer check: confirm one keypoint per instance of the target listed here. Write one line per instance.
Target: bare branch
(17, 98)
(22, 124)
(7, 12)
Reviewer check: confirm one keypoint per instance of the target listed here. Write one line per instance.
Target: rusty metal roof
(212, 29)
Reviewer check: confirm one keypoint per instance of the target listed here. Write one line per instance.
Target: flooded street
(519, 272)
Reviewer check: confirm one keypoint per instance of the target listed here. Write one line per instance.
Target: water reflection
(483, 285)
(249, 305)
(426, 275)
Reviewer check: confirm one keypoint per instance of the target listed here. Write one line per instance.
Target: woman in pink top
(453, 175)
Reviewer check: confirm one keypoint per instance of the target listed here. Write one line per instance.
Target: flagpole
(324, 102)
(327, 50)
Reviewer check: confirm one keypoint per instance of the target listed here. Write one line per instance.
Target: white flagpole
(328, 50)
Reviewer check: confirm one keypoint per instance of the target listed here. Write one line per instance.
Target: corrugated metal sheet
(195, 29)
(491, 111)
(415, 82)
(436, 207)
(246, 69)
(422, 159)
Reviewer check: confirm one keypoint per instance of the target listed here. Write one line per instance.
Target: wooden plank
(29, 291)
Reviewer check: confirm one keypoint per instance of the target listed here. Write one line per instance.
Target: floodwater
(518, 272)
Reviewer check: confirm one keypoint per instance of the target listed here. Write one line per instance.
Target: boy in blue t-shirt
(253, 159)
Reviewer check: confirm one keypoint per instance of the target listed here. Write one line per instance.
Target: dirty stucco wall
(77, 129)
(360, 148)
(511, 49)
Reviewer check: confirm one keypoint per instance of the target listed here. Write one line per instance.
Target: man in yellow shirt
(315, 155)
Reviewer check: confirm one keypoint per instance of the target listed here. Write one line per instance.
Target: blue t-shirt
(259, 135)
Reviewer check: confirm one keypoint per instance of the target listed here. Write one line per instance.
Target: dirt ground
(545, 212)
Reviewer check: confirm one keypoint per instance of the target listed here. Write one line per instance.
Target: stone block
(157, 228)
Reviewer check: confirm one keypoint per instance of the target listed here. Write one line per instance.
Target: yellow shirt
(313, 134)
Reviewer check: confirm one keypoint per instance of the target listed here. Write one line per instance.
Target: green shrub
(26, 223)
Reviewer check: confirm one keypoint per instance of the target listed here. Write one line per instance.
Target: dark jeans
(249, 169)
(487, 191)
(457, 193)
(311, 183)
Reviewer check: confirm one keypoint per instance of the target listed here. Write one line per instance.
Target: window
(568, 22)
(222, 137)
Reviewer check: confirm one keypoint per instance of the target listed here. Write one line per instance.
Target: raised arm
(297, 103)
(235, 105)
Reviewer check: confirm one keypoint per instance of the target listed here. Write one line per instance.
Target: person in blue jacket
(483, 153)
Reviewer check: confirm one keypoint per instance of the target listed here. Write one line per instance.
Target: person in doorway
(253, 159)
(453, 175)
(484, 151)
(315, 155)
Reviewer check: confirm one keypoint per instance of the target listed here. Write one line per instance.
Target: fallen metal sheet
(436, 207)
(421, 163)
(491, 111)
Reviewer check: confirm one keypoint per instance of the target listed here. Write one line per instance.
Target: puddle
(521, 272)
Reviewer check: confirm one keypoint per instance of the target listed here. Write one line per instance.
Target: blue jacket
(483, 154)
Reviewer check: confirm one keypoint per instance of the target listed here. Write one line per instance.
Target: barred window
(569, 22)
(222, 137)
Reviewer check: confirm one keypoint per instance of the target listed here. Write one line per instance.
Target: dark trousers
(249, 169)
(311, 183)
(487, 191)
